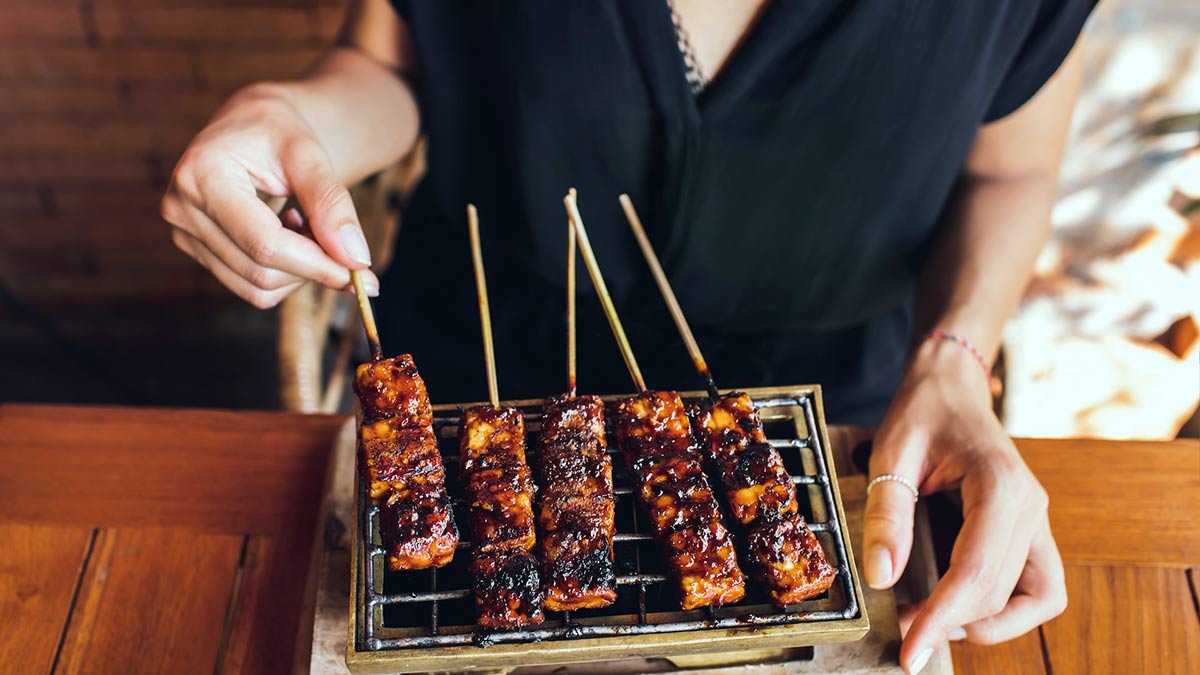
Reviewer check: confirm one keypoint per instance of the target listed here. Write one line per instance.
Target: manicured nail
(371, 286)
(879, 567)
(918, 662)
(356, 245)
(957, 634)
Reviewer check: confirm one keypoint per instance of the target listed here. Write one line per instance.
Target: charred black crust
(507, 589)
(576, 503)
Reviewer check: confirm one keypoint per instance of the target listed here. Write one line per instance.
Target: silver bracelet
(898, 479)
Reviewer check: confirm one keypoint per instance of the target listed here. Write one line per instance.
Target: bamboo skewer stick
(368, 317)
(571, 246)
(610, 311)
(664, 287)
(485, 314)
(281, 204)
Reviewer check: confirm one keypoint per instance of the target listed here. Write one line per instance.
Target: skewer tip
(485, 316)
(664, 287)
(368, 317)
(589, 259)
(571, 350)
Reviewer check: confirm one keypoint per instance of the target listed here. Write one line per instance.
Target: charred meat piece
(499, 491)
(508, 593)
(655, 436)
(749, 471)
(399, 456)
(406, 480)
(398, 459)
(780, 552)
(500, 499)
(575, 505)
(422, 520)
(785, 556)
(393, 389)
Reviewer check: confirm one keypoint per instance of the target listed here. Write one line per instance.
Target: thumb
(326, 203)
(888, 523)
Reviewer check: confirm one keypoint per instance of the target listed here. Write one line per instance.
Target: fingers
(206, 232)
(998, 596)
(260, 234)
(888, 522)
(259, 297)
(327, 204)
(887, 533)
(967, 591)
(1041, 595)
(243, 233)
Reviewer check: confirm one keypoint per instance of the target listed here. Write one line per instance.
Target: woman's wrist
(950, 362)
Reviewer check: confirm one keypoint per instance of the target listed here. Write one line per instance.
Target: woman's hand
(1005, 575)
(259, 143)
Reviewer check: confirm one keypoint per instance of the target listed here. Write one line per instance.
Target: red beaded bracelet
(962, 342)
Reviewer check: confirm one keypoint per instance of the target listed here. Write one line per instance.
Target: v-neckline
(702, 101)
(761, 43)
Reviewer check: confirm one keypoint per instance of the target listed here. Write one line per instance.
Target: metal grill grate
(435, 608)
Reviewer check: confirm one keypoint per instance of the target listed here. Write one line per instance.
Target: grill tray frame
(595, 635)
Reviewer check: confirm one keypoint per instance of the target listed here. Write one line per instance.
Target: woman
(848, 193)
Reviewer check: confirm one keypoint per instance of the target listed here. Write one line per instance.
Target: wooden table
(177, 541)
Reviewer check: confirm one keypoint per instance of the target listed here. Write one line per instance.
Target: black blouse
(791, 201)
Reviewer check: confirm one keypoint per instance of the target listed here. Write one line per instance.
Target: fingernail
(371, 286)
(879, 567)
(918, 662)
(959, 633)
(356, 245)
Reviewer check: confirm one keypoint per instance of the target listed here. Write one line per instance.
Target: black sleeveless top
(791, 201)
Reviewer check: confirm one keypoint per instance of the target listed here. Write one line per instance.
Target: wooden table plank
(151, 601)
(38, 569)
(217, 471)
(1194, 579)
(1125, 620)
(1022, 655)
(265, 614)
(1121, 502)
(1111, 502)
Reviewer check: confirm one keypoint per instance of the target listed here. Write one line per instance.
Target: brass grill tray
(419, 621)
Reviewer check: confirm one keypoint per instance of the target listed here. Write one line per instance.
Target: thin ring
(898, 479)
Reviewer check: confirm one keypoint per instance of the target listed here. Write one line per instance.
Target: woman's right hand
(259, 143)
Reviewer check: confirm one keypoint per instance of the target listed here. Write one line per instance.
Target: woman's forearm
(984, 256)
(363, 112)
(998, 218)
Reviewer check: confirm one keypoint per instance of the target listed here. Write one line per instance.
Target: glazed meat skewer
(575, 502)
(400, 457)
(655, 436)
(782, 552)
(499, 490)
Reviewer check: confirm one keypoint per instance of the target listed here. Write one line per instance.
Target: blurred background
(99, 97)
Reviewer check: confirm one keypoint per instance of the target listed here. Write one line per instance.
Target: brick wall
(97, 100)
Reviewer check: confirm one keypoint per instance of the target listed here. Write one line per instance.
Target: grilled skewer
(655, 436)
(576, 513)
(403, 467)
(782, 553)
(400, 457)
(499, 488)
(499, 493)
(576, 506)
(656, 439)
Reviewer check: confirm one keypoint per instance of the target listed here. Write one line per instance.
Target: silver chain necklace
(695, 75)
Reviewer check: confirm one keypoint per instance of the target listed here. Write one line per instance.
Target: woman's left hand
(1005, 575)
